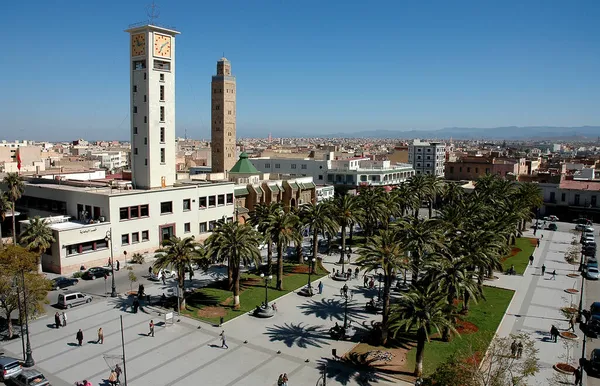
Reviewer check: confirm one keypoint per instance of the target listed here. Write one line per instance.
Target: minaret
(152, 98)
(223, 123)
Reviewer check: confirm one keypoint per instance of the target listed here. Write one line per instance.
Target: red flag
(18, 159)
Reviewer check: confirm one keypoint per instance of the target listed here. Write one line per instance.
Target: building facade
(427, 157)
(223, 121)
(152, 98)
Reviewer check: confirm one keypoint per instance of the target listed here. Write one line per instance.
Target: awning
(309, 185)
(293, 185)
(240, 192)
(274, 188)
(257, 190)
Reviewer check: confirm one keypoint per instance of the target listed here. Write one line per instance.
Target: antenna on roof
(152, 12)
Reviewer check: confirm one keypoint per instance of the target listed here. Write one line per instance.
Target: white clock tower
(152, 111)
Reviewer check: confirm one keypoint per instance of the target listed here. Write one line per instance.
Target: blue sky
(307, 67)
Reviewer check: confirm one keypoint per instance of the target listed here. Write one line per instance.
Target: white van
(70, 299)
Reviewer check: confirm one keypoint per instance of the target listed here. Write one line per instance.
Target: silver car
(9, 368)
(592, 273)
(30, 377)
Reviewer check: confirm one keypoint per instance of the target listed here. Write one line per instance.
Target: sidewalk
(537, 302)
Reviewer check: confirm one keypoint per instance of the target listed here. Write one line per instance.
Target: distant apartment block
(473, 167)
(427, 157)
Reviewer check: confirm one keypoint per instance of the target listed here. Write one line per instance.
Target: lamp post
(29, 362)
(581, 292)
(108, 239)
(311, 265)
(348, 250)
(267, 279)
(16, 285)
(345, 311)
(379, 279)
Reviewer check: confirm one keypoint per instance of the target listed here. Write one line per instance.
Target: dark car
(594, 362)
(552, 227)
(589, 252)
(30, 377)
(63, 282)
(95, 272)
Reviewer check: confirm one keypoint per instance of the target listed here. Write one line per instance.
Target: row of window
(220, 90)
(133, 212)
(212, 201)
(134, 238)
(166, 207)
(293, 166)
(88, 246)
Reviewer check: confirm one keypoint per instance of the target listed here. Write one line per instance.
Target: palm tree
(38, 238)
(420, 237)
(5, 206)
(405, 199)
(238, 243)
(260, 219)
(419, 189)
(16, 187)
(383, 251)
(530, 196)
(372, 211)
(435, 187)
(453, 193)
(346, 211)
(180, 255)
(423, 309)
(317, 218)
(282, 226)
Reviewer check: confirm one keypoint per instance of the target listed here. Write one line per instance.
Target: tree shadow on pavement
(298, 334)
(354, 367)
(333, 309)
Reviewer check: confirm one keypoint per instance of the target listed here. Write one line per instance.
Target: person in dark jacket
(80, 337)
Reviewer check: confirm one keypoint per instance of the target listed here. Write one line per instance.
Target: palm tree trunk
(430, 208)
(10, 327)
(351, 231)
(421, 337)
(341, 261)
(236, 288)
(466, 299)
(229, 275)
(1, 240)
(269, 257)
(182, 290)
(299, 252)
(315, 243)
(386, 309)
(280, 266)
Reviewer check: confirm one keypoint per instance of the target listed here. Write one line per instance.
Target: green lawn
(521, 258)
(486, 315)
(252, 294)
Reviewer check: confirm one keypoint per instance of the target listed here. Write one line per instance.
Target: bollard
(334, 352)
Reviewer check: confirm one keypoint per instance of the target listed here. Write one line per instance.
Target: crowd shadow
(333, 309)
(300, 335)
(354, 367)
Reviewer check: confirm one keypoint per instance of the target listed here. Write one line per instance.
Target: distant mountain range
(510, 132)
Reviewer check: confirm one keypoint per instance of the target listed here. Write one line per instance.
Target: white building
(110, 160)
(324, 192)
(351, 172)
(427, 157)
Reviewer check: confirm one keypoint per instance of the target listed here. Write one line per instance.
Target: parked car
(9, 368)
(592, 264)
(593, 364)
(552, 227)
(162, 272)
(584, 221)
(580, 227)
(70, 299)
(592, 273)
(63, 282)
(95, 272)
(30, 377)
(589, 229)
(551, 218)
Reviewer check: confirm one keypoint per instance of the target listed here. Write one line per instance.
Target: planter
(306, 291)
(570, 310)
(491, 278)
(264, 312)
(572, 291)
(568, 335)
(564, 368)
(339, 277)
(573, 275)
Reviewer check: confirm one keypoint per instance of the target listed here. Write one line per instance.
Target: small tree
(132, 277)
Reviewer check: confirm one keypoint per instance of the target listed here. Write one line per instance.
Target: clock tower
(152, 99)
(223, 122)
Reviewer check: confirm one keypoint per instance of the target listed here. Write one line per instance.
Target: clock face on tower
(138, 44)
(162, 46)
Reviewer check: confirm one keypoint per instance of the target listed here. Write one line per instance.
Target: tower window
(146, 161)
(145, 140)
(162, 93)
(145, 98)
(217, 107)
(134, 88)
(145, 119)
(162, 155)
(162, 135)
(162, 77)
(135, 130)
(135, 151)
(144, 76)
(135, 109)
(162, 65)
(228, 112)
(139, 65)
(162, 113)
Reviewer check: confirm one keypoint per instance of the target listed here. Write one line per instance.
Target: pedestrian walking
(356, 271)
(150, 270)
(79, 336)
(274, 306)
(280, 380)
(543, 269)
(365, 281)
(118, 265)
(163, 278)
(57, 320)
(578, 375)
(223, 340)
(531, 260)
(372, 283)
(118, 371)
(320, 286)
(542, 236)
(136, 305)
(554, 333)
(513, 348)
(100, 336)
(64, 319)
(151, 325)
(538, 242)
(345, 290)
(112, 378)
(554, 275)
(285, 380)
(572, 323)
(519, 350)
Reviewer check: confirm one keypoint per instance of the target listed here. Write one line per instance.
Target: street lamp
(345, 311)
(108, 239)
(348, 250)
(29, 362)
(311, 266)
(267, 279)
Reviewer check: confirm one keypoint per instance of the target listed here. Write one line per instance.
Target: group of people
(516, 349)
(283, 380)
(114, 376)
(60, 320)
